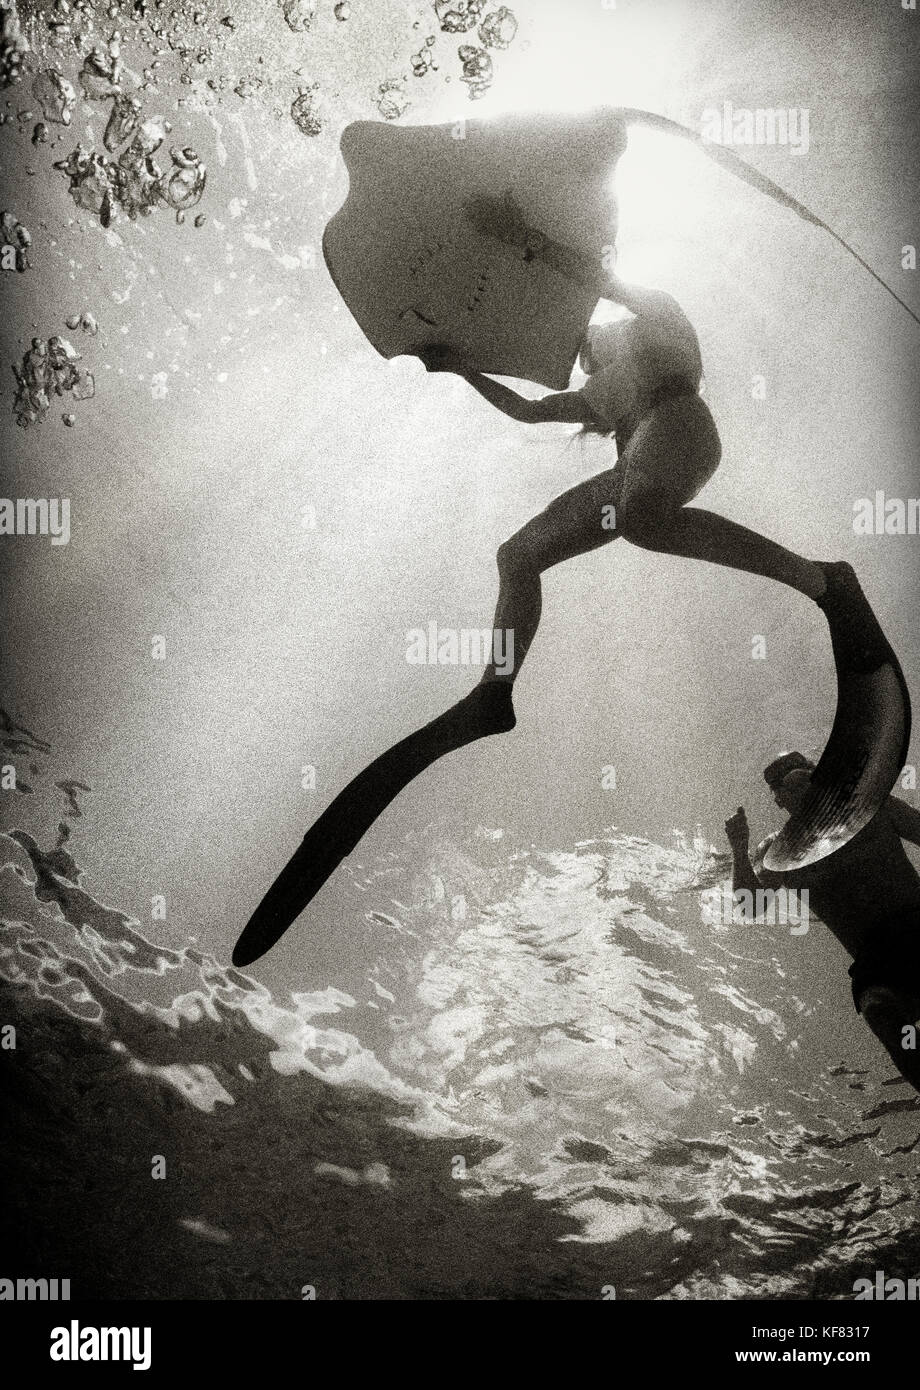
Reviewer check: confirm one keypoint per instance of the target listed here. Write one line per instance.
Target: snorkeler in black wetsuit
(867, 894)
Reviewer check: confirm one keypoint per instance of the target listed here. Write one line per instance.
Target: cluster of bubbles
(299, 14)
(17, 236)
(392, 98)
(67, 52)
(477, 69)
(499, 28)
(49, 369)
(57, 98)
(133, 182)
(305, 111)
(495, 30)
(305, 108)
(179, 24)
(13, 44)
(423, 61)
(458, 16)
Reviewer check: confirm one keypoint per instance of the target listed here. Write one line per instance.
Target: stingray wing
(413, 269)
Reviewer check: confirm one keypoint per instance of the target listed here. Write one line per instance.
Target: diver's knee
(513, 558)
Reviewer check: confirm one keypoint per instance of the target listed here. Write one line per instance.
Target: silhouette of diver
(643, 390)
(868, 895)
(644, 377)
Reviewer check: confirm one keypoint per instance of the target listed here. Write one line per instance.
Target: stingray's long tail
(735, 165)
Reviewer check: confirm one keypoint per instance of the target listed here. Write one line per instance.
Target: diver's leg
(891, 1017)
(669, 458)
(654, 522)
(574, 523)
(577, 521)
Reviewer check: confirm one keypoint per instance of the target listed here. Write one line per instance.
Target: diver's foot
(859, 643)
(488, 709)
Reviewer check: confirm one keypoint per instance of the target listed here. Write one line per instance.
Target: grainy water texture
(505, 1054)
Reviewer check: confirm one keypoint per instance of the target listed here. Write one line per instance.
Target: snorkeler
(867, 894)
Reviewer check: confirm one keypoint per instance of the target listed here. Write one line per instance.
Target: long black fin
(486, 710)
(862, 760)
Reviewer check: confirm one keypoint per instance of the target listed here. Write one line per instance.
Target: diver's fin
(486, 710)
(869, 739)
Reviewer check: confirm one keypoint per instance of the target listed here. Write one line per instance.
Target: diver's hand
(438, 357)
(738, 831)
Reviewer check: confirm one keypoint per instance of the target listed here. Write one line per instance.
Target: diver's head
(789, 777)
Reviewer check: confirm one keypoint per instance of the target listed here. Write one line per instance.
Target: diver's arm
(567, 407)
(561, 406)
(502, 397)
(639, 300)
(743, 875)
(744, 878)
(906, 819)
